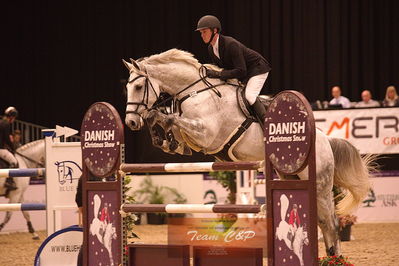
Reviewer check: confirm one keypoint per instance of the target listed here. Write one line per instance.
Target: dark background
(58, 57)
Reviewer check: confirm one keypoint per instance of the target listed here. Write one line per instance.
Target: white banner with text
(371, 130)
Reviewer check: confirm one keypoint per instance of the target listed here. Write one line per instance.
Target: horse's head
(61, 172)
(302, 231)
(142, 93)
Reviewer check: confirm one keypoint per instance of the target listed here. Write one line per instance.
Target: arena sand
(373, 244)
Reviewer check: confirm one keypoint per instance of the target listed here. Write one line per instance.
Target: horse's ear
(127, 64)
(137, 66)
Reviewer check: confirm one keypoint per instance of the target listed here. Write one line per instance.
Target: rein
(30, 159)
(144, 102)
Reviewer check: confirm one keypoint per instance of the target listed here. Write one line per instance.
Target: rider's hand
(213, 74)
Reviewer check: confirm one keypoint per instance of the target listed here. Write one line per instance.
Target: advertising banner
(382, 202)
(371, 130)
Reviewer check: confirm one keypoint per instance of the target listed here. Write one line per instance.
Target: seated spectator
(16, 139)
(391, 97)
(367, 101)
(338, 99)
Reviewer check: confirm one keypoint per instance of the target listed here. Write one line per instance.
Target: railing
(31, 132)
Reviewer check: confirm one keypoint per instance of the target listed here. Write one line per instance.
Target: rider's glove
(213, 74)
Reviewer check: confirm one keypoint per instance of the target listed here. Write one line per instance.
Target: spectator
(338, 99)
(391, 97)
(16, 136)
(367, 101)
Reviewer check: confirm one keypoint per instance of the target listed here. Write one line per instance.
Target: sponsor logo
(369, 199)
(67, 172)
(362, 127)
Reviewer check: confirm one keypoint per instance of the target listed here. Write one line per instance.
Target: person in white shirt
(367, 101)
(338, 98)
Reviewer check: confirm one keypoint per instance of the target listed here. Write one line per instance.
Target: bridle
(146, 94)
(148, 84)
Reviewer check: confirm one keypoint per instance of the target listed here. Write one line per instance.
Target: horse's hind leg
(30, 226)
(328, 222)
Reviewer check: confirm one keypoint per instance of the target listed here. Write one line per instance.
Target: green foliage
(156, 194)
(228, 180)
(334, 260)
(130, 218)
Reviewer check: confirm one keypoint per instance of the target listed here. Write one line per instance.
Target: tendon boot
(260, 111)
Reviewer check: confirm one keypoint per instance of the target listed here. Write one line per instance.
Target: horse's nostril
(132, 123)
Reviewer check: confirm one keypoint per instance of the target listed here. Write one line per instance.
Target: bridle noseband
(146, 94)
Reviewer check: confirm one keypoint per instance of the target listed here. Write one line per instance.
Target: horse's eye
(138, 87)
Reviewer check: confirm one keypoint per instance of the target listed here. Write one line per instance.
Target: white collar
(216, 46)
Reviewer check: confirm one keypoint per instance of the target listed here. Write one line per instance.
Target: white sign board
(60, 248)
(63, 169)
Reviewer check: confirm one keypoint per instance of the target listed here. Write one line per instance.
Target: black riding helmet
(209, 21)
(11, 112)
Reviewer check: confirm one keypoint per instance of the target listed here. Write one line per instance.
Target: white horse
(105, 233)
(208, 117)
(30, 155)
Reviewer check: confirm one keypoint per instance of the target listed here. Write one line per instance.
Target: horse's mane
(176, 55)
(29, 145)
(173, 55)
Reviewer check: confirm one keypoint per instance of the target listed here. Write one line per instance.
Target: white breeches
(254, 86)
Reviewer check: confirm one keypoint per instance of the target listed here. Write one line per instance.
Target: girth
(223, 154)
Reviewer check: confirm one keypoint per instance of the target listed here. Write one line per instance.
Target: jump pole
(193, 208)
(190, 167)
(4, 173)
(23, 207)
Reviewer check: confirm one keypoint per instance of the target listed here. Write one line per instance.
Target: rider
(294, 221)
(104, 218)
(6, 145)
(238, 61)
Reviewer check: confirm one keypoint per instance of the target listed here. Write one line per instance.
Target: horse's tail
(351, 172)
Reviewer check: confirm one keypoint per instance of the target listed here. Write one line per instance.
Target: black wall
(59, 57)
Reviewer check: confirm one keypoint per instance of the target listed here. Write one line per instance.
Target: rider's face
(206, 34)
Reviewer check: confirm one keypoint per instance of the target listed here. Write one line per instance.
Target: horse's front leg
(26, 215)
(35, 236)
(193, 127)
(7, 218)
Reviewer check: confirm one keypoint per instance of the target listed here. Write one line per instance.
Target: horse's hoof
(35, 237)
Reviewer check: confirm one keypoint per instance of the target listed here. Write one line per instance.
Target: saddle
(245, 107)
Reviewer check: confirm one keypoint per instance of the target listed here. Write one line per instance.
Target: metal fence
(31, 132)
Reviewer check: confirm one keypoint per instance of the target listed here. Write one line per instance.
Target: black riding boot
(10, 184)
(260, 111)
